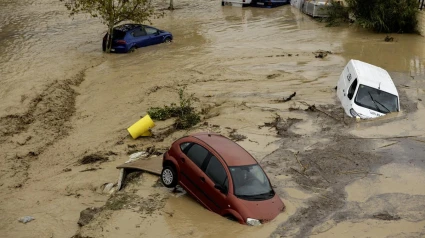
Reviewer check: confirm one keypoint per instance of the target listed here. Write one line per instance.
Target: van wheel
(132, 49)
(167, 40)
(169, 176)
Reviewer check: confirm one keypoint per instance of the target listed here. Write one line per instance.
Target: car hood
(265, 210)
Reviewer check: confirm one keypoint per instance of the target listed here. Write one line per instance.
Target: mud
(62, 99)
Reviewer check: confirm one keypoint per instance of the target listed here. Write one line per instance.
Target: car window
(117, 34)
(138, 32)
(184, 145)
(197, 154)
(150, 31)
(352, 89)
(216, 172)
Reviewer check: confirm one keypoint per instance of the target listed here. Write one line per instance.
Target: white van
(367, 91)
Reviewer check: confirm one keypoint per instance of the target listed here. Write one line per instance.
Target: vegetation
(113, 12)
(380, 15)
(185, 113)
(337, 14)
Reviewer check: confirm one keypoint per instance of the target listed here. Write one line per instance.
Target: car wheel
(167, 40)
(132, 49)
(169, 177)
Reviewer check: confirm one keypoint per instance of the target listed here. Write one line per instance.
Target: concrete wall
(421, 22)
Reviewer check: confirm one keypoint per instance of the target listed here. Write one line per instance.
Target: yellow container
(141, 127)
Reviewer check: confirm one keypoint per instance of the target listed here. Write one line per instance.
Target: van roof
(374, 76)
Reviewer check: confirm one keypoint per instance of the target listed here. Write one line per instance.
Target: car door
(192, 177)
(140, 37)
(216, 174)
(350, 95)
(155, 38)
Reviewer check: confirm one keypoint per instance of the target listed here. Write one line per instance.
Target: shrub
(185, 113)
(385, 15)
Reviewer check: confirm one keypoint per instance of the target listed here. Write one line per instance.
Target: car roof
(374, 76)
(232, 153)
(128, 27)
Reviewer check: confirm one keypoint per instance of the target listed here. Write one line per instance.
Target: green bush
(185, 113)
(385, 15)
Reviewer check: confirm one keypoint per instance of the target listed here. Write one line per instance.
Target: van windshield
(376, 99)
(251, 183)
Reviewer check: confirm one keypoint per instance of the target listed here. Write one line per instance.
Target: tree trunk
(171, 7)
(109, 38)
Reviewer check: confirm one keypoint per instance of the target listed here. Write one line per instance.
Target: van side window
(352, 89)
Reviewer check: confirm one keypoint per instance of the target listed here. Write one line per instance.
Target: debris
(321, 53)
(288, 98)
(272, 76)
(152, 151)
(141, 128)
(93, 158)
(87, 215)
(136, 156)
(89, 169)
(26, 219)
(108, 187)
(313, 108)
(236, 137)
(389, 39)
(67, 170)
(386, 217)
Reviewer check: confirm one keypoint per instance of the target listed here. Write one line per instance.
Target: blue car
(269, 3)
(129, 37)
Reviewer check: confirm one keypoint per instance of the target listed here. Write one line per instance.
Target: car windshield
(251, 183)
(376, 99)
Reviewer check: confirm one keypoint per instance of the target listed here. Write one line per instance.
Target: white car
(367, 91)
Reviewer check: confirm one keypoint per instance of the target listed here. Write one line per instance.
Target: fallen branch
(288, 98)
(314, 108)
(388, 145)
(296, 157)
(300, 173)
(358, 172)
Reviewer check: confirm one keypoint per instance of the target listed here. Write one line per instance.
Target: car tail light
(121, 42)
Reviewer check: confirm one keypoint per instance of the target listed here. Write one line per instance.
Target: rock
(87, 215)
(26, 219)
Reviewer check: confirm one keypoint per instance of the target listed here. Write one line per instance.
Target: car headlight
(354, 113)
(253, 222)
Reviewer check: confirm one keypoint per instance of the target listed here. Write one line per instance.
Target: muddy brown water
(63, 99)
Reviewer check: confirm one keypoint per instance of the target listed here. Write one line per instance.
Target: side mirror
(157, 32)
(220, 188)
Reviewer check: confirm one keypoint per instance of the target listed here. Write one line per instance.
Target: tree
(171, 7)
(113, 12)
(385, 15)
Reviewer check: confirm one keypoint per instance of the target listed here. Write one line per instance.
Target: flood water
(229, 56)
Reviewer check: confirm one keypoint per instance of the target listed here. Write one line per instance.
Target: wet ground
(63, 99)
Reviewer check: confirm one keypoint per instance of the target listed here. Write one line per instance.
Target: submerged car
(129, 37)
(222, 176)
(270, 3)
(367, 91)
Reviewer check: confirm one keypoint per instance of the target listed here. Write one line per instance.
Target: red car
(222, 176)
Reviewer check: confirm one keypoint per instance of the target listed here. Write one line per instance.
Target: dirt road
(62, 99)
